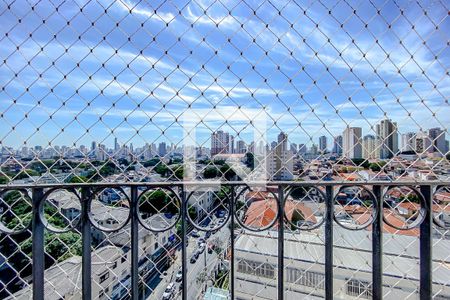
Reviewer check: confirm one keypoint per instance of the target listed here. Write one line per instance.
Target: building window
(156, 246)
(104, 276)
(359, 288)
(306, 278)
(255, 268)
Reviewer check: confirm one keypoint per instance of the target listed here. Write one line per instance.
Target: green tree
(158, 201)
(227, 172)
(250, 160)
(377, 166)
(27, 173)
(161, 169)
(58, 247)
(361, 162)
(210, 172)
(151, 163)
(78, 179)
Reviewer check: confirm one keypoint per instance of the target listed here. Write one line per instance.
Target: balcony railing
(378, 200)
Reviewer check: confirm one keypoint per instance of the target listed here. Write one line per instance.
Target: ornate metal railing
(378, 200)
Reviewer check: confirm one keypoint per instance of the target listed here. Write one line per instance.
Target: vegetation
(250, 160)
(227, 172)
(377, 166)
(58, 247)
(361, 162)
(210, 172)
(158, 201)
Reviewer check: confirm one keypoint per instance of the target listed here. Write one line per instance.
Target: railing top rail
(227, 183)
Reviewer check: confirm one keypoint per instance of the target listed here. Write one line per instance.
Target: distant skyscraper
(240, 147)
(408, 142)
(221, 143)
(162, 149)
(314, 150)
(437, 138)
(388, 138)
(93, 145)
(369, 148)
(282, 141)
(280, 163)
(294, 148)
(351, 142)
(302, 149)
(273, 145)
(323, 144)
(337, 145)
(423, 143)
(116, 145)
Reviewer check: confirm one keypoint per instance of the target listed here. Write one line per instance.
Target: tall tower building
(437, 138)
(369, 147)
(240, 147)
(221, 143)
(387, 138)
(423, 143)
(280, 163)
(351, 142)
(162, 149)
(408, 142)
(323, 144)
(337, 145)
(116, 145)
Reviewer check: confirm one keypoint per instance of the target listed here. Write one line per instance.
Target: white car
(179, 276)
(169, 291)
(201, 247)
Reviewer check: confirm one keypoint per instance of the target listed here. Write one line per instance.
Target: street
(197, 282)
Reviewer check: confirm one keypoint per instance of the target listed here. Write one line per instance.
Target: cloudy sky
(77, 71)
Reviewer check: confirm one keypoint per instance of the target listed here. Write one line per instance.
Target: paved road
(206, 261)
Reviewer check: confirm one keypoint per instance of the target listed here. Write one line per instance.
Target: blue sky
(291, 60)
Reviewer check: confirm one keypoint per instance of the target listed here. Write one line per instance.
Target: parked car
(179, 276)
(195, 234)
(193, 259)
(201, 248)
(169, 291)
(201, 241)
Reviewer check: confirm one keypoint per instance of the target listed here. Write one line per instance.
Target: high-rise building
(116, 145)
(294, 148)
(337, 145)
(302, 149)
(387, 137)
(162, 149)
(231, 145)
(273, 145)
(282, 141)
(437, 138)
(221, 143)
(93, 145)
(351, 142)
(314, 150)
(323, 144)
(408, 142)
(423, 143)
(369, 147)
(280, 165)
(241, 147)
